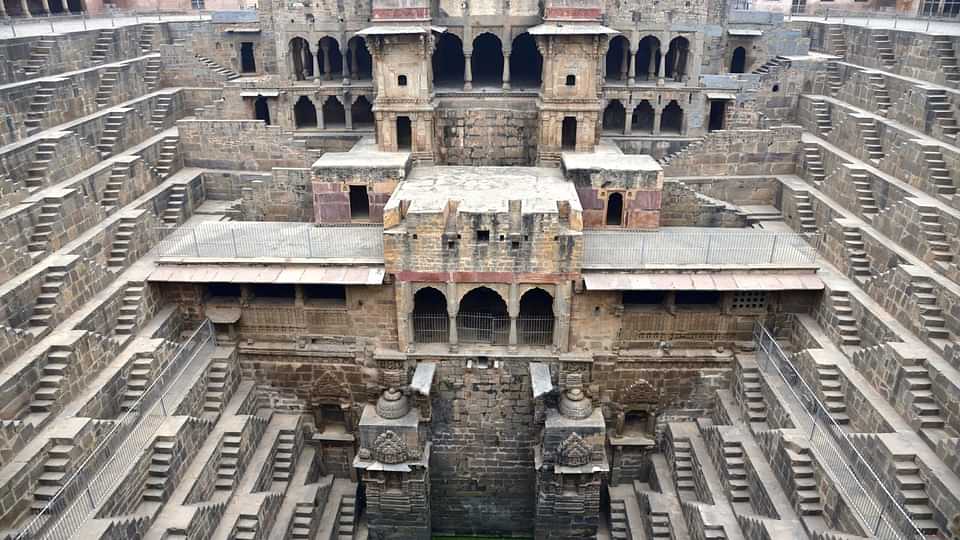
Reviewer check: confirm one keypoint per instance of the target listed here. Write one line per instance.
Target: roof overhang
(277, 275)
(608, 281)
(721, 95)
(243, 30)
(398, 30)
(744, 32)
(259, 93)
(572, 29)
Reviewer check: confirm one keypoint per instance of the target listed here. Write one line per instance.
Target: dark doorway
(361, 63)
(359, 203)
(361, 113)
(526, 62)
(676, 67)
(329, 58)
(247, 62)
(568, 134)
(738, 64)
(334, 115)
(404, 133)
(448, 62)
(301, 59)
(56, 6)
(483, 318)
(535, 324)
(648, 58)
(614, 117)
(618, 54)
(615, 209)
(75, 6)
(431, 322)
(304, 113)
(487, 60)
(672, 119)
(643, 116)
(718, 113)
(261, 109)
(13, 8)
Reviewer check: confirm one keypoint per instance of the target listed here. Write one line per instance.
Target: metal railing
(100, 473)
(746, 247)
(864, 490)
(483, 328)
(931, 14)
(39, 24)
(249, 239)
(431, 327)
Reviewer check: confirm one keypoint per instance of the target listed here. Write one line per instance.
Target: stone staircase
(37, 173)
(753, 395)
(158, 115)
(346, 518)
(119, 174)
(881, 41)
(619, 528)
(937, 171)
(102, 47)
(913, 495)
(40, 237)
(770, 67)
(939, 103)
(813, 164)
(111, 133)
(129, 309)
(735, 472)
(151, 75)
(931, 314)
(217, 68)
(806, 495)
(831, 389)
(821, 114)
(808, 222)
(683, 468)
(881, 97)
(864, 190)
(933, 235)
(53, 474)
(39, 57)
(39, 105)
(301, 527)
(161, 460)
(943, 49)
(214, 398)
(923, 405)
(660, 527)
(283, 458)
(229, 461)
(871, 138)
(108, 85)
(167, 156)
(148, 33)
(246, 528)
(49, 386)
(846, 322)
(141, 371)
(175, 205)
(834, 79)
(48, 298)
(120, 249)
(837, 41)
(856, 254)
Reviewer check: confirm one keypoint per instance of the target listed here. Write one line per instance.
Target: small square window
(402, 80)
(514, 245)
(483, 236)
(571, 80)
(450, 244)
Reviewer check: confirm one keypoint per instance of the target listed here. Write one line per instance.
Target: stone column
(314, 60)
(657, 113)
(453, 308)
(632, 68)
(25, 8)
(561, 316)
(46, 7)
(506, 70)
(652, 67)
(405, 322)
(298, 295)
(347, 109)
(321, 123)
(662, 68)
(467, 69)
(3, 11)
(513, 310)
(346, 72)
(628, 121)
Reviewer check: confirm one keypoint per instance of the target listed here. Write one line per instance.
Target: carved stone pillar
(346, 72)
(453, 308)
(467, 70)
(631, 68)
(657, 114)
(506, 70)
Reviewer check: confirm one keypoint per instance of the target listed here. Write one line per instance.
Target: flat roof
(485, 189)
(609, 161)
(277, 275)
(570, 29)
(362, 158)
(608, 281)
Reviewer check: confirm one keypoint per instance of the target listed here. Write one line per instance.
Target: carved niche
(574, 451)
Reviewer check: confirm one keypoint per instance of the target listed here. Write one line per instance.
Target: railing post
(233, 233)
(709, 244)
(773, 249)
(196, 243)
(880, 516)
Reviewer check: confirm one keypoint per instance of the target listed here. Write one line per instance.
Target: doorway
(247, 62)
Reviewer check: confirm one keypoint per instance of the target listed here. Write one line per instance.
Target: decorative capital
(389, 448)
(573, 451)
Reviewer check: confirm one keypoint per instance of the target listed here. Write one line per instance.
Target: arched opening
(301, 59)
(334, 115)
(248, 63)
(568, 134)
(56, 6)
(614, 117)
(526, 62)
(329, 58)
(261, 109)
(615, 209)
(677, 58)
(643, 116)
(448, 61)
(75, 6)
(13, 8)
(361, 113)
(404, 133)
(304, 113)
(487, 60)
(648, 58)
(35, 7)
(361, 63)
(671, 121)
(738, 64)
(431, 323)
(483, 318)
(618, 55)
(718, 113)
(535, 324)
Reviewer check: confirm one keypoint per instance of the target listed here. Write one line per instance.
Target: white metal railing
(249, 239)
(22, 26)
(864, 490)
(98, 475)
(930, 15)
(747, 247)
